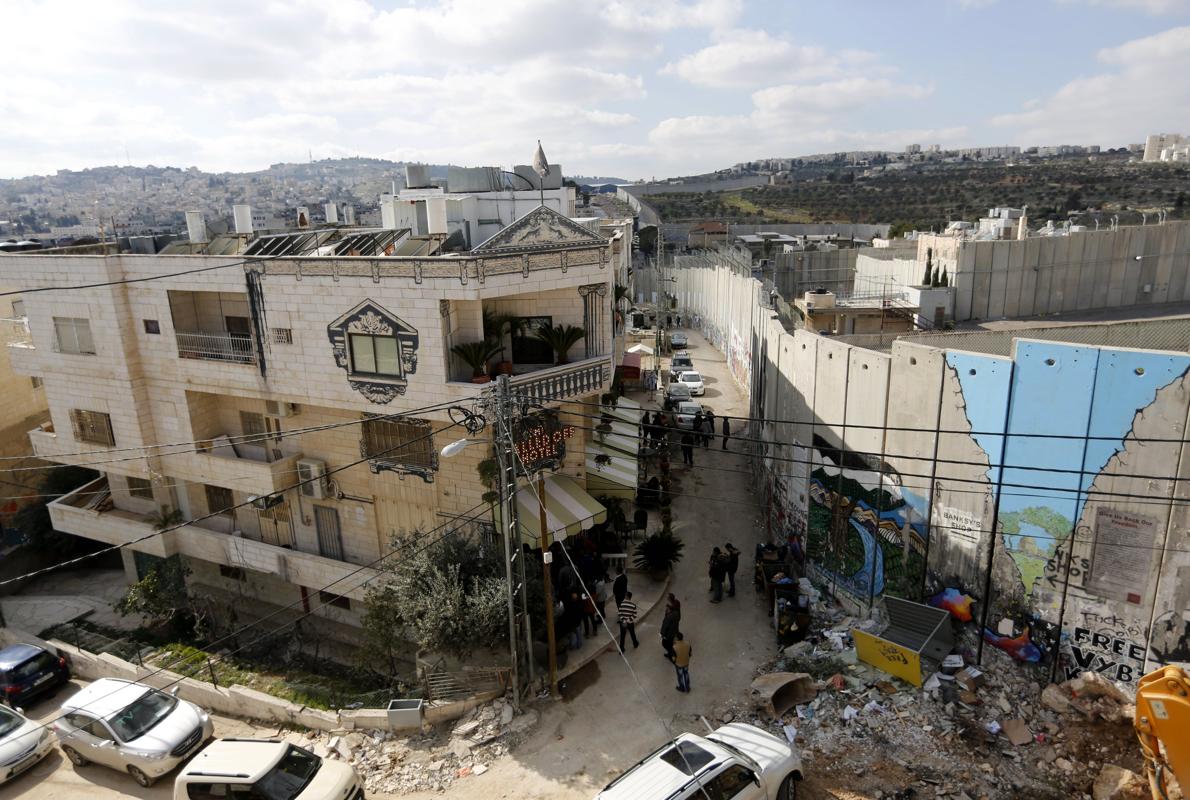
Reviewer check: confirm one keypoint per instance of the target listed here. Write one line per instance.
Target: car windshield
(690, 758)
(139, 718)
(291, 775)
(31, 668)
(9, 721)
(691, 377)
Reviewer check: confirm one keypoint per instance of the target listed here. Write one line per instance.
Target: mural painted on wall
(1063, 415)
(862, 536)
(376, 348)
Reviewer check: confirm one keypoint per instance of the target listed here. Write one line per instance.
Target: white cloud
(742, 58)
(837, 95)
(1155, 7)
(1142, 92)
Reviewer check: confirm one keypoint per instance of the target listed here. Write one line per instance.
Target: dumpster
(913, 645)
(405, 714)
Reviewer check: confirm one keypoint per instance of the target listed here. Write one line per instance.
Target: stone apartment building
(156, 377)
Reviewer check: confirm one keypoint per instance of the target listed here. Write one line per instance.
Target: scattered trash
(1017, 732)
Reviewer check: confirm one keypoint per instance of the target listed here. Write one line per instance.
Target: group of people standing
(723, 564)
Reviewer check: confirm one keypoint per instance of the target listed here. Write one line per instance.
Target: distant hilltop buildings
(1167, 147)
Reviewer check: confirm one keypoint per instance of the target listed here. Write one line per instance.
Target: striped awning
(624, 410)
(568, 509)
(619, 469)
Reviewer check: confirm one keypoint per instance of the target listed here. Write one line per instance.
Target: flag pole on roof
(542, 167)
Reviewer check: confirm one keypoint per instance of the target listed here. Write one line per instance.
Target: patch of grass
(289, 682)
(746, 207)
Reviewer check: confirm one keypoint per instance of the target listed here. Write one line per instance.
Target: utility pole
(518, 619)
(547, 580)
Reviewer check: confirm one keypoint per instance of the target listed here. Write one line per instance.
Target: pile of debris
(430, 761)
(967, 732)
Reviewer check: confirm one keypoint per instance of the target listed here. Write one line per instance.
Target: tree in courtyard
(160, 597)
(449, 597)
(926, 279)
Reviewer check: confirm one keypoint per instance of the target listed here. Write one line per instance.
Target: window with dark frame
(252, 423)
(330, 539)
(140, 488)
(336, 600)
(219, 500)
(152, 326)
(375, 355)
(400, 445)
(526, 347)
(37, 382)
(282, 335)
(234, 573)
(93, 427)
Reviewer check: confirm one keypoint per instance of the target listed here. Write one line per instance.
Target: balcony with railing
(230, 347)
(213, 326)
(248, 466)
(560, 382)
(89, 511)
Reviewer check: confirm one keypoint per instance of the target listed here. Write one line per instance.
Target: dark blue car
(27, 671)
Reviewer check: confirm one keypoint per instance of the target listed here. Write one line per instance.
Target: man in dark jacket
(717, 569)
(726, 432)
(708, 428)
(620, 587)
(733, 563)
(688, 448)
(670, 624)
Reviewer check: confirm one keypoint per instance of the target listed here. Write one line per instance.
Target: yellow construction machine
(1162, 724)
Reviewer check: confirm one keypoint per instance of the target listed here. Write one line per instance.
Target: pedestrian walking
(669, 321)
(682, 653)
(590, 610)
(670, 624)
(708, 428)
(733, 563)
(696, 425)
(717, 569)
(688, 449)
(726, 432)
(620, 586)
(627, 618)
(600, 589)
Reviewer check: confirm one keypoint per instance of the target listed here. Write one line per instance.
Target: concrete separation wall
(239, 701)
(730, 184)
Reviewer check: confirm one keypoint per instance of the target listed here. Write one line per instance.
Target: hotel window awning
(568, 509)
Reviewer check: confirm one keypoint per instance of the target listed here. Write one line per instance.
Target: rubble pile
(430, 761)
(967, 733)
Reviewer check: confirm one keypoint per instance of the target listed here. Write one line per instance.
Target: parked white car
(264, 769)
(737, 761)
(684, 415)
(22, 743)
(678, 339)
(694, 381)
(132, 728)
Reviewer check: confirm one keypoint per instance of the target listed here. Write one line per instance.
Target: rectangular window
(330, 541)
(36, 381)
(234, 573)
(73, 335)
(140, 488)
(94, 427)
(18, 309)
(152, 326)
(282, 336)
(337, 600)
(402, 443)
(219, 500)
(526, 347)
(252, 423)
(375, 355)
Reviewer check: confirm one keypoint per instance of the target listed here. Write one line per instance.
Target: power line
(218, 512)
(147, 278)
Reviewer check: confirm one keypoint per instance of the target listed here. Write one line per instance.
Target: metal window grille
(400, 445)
(93, 427)
(252, 423)
(282, 335)
(219, 500)
(330, 540)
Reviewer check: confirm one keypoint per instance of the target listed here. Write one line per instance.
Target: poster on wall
(1123, 554)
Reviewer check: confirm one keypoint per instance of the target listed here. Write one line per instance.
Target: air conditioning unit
(312, 476)
(276, 408)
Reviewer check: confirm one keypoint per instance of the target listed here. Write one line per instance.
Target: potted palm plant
(658, 552)
(561, 338)
(496, 326)
(476, 355)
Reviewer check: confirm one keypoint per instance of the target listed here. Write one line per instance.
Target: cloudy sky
(633, 88)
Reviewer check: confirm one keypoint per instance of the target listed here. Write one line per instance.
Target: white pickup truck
(735, 762)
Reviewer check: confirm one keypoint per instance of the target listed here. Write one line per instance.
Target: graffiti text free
(1091, 651)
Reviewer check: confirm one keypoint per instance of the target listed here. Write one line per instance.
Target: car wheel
(788, 790)
(139, 776)
(75, 756)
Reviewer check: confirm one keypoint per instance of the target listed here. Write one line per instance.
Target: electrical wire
(124, 281)
(218, 512)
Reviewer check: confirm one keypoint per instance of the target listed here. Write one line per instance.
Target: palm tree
(561, 338)
(476, 355)
(497, 325)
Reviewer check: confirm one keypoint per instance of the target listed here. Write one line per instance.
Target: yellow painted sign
(885, 655)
